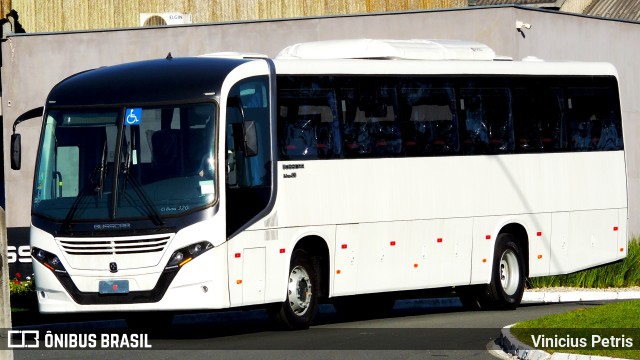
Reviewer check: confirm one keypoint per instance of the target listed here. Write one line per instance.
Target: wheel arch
(316, 247)
(521, 238)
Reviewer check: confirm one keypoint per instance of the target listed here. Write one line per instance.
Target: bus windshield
(128, 163)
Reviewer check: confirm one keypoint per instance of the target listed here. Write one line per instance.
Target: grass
(622, 274)
(578, 331)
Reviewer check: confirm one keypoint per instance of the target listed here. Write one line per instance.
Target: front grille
(113, 246)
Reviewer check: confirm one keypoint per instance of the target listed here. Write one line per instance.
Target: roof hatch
(416, 49)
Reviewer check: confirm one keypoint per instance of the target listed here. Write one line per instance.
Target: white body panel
(418, 223)
(382, 190)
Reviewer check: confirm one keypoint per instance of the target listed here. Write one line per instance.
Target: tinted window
(325, 117)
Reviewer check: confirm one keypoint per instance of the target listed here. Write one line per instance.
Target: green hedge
(621, 274)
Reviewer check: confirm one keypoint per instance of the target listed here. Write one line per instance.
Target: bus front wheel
(300, 305)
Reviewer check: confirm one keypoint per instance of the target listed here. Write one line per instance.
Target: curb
(514, 347)
(534, 297)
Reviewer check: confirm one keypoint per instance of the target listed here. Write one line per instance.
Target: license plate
(114, 286)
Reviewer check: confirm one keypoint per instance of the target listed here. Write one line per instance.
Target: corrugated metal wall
(5, 6)
(576, 6)
(64, 15)
(620, 9)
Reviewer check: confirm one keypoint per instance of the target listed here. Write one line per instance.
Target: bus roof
(416, 49)
(430, 67)
(419, 57)
(188, 79)
(196, 79)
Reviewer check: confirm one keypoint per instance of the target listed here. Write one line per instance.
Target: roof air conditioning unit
(161, 19)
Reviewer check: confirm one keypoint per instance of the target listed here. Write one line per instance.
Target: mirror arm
(33, 113)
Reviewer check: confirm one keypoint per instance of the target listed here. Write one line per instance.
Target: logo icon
(113, 267)
(133, 116)
(23, 338)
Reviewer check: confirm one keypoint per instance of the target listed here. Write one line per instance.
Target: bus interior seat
(581, 138)
(324, 129)
(433, 126)
(417, 131)
(358, 139)
(165, 153)
(386, 135)
(609, 138)
(301, 137)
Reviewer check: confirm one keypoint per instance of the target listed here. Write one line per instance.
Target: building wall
(67, 15)
(33, 63)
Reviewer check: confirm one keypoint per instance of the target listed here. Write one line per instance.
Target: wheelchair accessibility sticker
(133, 116)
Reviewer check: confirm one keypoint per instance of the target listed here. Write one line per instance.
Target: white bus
(348, 171)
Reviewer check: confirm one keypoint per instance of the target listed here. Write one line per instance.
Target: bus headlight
(49, 260)
(182, 256)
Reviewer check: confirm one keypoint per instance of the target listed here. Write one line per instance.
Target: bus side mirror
(250, 138)
(16, 151)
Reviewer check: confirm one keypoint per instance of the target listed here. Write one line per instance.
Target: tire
(507, 275)
(299, 308)
(505, 290)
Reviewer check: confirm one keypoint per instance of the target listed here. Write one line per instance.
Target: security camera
(520, 25)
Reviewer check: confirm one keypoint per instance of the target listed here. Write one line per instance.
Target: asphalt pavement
(507, 347)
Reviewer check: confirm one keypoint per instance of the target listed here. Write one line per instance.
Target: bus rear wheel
(300, 306)
(507, 277)
(505, 290)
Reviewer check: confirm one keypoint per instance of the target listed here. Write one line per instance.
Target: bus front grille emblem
(113, 267)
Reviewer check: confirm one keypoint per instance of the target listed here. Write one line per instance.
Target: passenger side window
(594, 123)
(487, 118)
(541, 125)
(308, 120)
(429, 120)
(371, 127)
(327, 117)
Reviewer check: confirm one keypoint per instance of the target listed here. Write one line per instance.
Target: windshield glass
(159, 165)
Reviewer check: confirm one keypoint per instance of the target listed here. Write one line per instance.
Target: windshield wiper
(127, 168)
(137, 188)
(102, 170)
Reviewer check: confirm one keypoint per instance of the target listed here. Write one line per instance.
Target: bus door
(249, 178)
